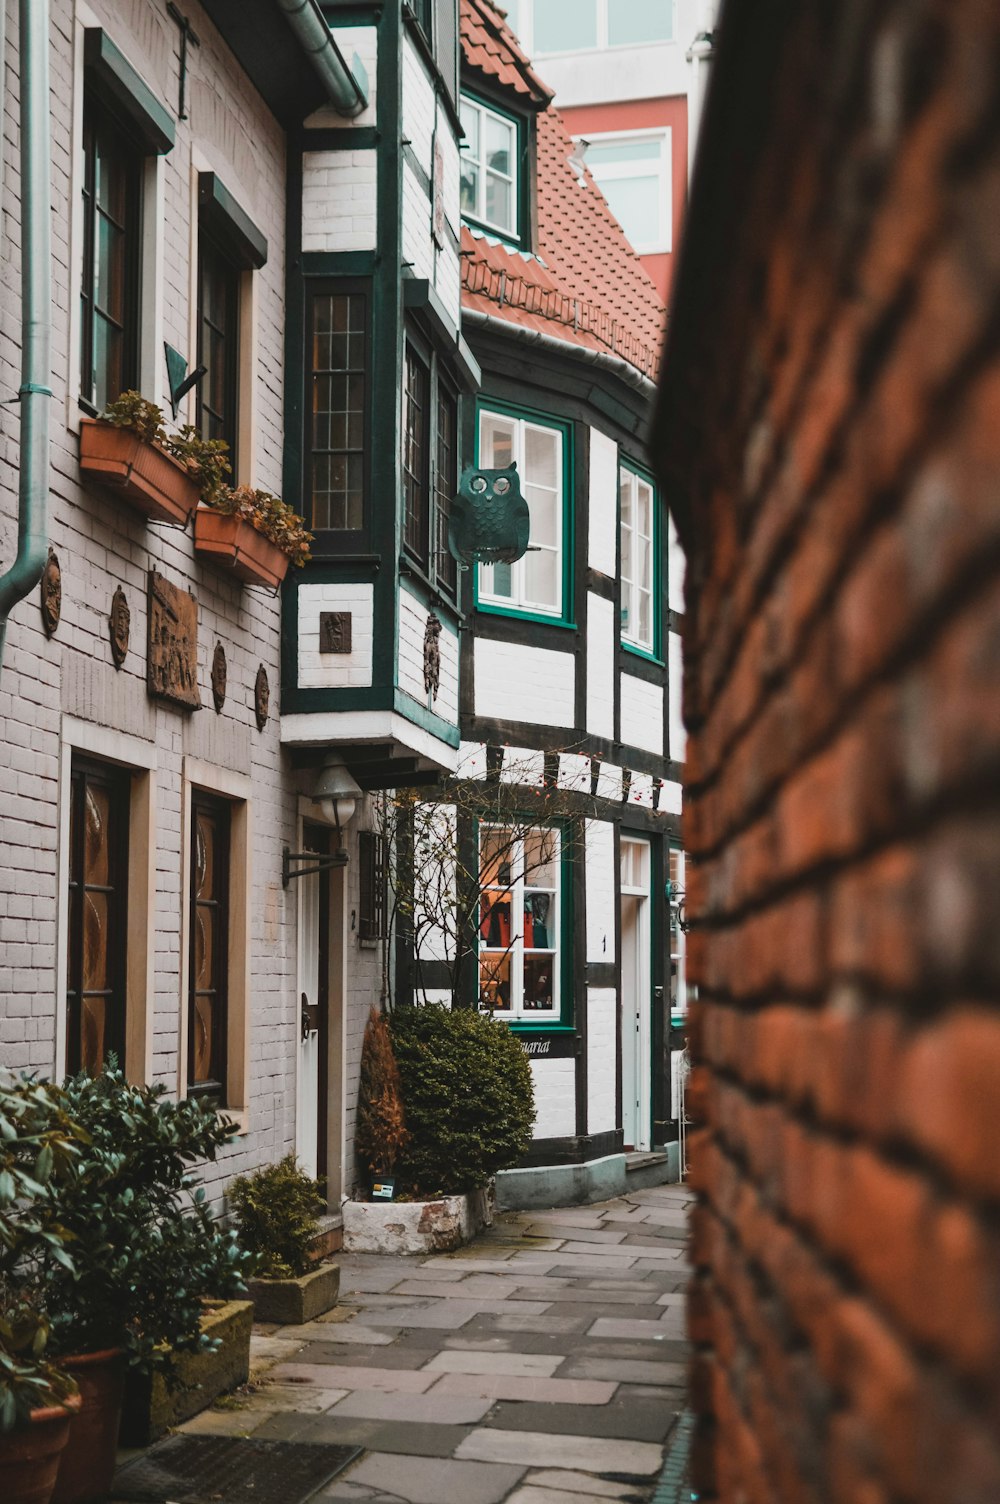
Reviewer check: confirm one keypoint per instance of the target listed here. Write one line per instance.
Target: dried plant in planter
(381, 1134)
(271, 517)
(133, 411)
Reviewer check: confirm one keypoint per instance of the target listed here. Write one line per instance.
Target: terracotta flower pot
(88, 1463)
(236, 545)
(29, 1456)
(145, 476)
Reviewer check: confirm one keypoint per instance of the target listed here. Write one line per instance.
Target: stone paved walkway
(545, 1364)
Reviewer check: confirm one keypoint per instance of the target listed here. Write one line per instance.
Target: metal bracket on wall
(319, 863)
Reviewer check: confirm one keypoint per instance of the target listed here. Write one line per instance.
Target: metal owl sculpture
(490, 522)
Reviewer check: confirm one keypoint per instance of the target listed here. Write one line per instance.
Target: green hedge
(467, 1095)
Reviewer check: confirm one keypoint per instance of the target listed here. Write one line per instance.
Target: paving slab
(594, 1454)
(580, 1483)
(390, 1355)
(410, 1437)
(446, 1315)
(613, 1326)
(342, 1376)
(435, 1409)
(523, 1365)
(499, 1386)
(421, 1480)
(624, 1419)
(626, 1371)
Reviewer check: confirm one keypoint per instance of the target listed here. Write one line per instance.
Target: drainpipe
(36, 313)
(344, 92)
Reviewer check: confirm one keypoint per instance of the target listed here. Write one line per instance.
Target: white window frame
(513, 230)
(629, 568)
(663, 135)
(521, 883)
(518, 599)
(526, 31)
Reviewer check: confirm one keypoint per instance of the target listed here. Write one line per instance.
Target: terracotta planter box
(29, 1456)
(416, 1226)
(151, 1407)
(290, 1302)
(88, 1462)
(237, 546)
(150, 480)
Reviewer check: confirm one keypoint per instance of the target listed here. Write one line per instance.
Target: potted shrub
(127, 450)
(37, 1399)
(276, 1211)
(469, 1105)
(250, 532)
(146, 1253)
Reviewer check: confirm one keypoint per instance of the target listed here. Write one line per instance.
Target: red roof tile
(587, 285)
(489, 44)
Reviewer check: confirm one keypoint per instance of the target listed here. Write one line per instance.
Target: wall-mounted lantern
(337, 795)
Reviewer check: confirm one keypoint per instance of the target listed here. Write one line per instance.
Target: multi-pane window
(489, 167)
(638, 534)
(218, 325)
(98, 928)
(338, 403)
(416, 453)
(519, 922)
(633, 172)
(209, 946)
(581, 25)
(534, 582)
(109, 293)
(446, 481)
(372, 879)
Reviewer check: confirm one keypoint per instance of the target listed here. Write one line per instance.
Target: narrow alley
(544, 1364)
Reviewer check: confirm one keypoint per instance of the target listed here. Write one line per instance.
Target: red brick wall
(829, 434)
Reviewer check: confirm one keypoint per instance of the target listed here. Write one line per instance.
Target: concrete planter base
(151, 1408)
(416, 1226)
(290, 1302)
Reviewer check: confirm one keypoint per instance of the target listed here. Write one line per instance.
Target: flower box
(291, 1302)
(152, 1405)
(236, 545)
(143, 474)
(398, 1227)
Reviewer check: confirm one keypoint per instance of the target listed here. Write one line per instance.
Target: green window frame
(337, 413)
(526, 880)
(639, 562)
(520, 589)
(492, 198)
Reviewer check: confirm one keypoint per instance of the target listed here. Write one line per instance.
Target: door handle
(309, 1018)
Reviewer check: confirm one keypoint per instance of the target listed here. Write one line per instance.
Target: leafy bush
(381, 1132)
(468, 1098)
(38, 1142)
(276, 1209)
(146, 1250)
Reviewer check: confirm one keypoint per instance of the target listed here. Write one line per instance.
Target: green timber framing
(374, 554)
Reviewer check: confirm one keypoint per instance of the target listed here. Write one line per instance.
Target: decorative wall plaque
(335, 631)
(261, 697)
(51, 593)
(432, 656)
(220, 674)
(119, 624)
(172, 661)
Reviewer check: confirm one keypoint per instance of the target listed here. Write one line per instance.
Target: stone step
(649, 1168)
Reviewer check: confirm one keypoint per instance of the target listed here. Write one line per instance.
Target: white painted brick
(339, 200)
(412, 626)
(602, 889)
(555, 1097)
(336, 670)
(602, 640)
(603, 542)
(524, 683)
(602, 1054)
(642, 714)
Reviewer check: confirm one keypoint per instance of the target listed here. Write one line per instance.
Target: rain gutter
(346, 88)
(600, 358)
(34, 393)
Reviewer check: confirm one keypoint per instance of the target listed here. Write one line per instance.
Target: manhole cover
(230, 1470)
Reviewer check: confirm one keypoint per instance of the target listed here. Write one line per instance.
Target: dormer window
(491, 157)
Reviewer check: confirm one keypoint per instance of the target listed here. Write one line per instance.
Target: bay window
(430, 460)
(535, 582)
(520, 922)
(638, 561)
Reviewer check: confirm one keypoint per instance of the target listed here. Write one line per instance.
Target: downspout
(34, 393)
(344, 91)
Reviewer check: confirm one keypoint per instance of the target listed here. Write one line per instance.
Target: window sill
(643, 653)
(519, 613)
(507, 238)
